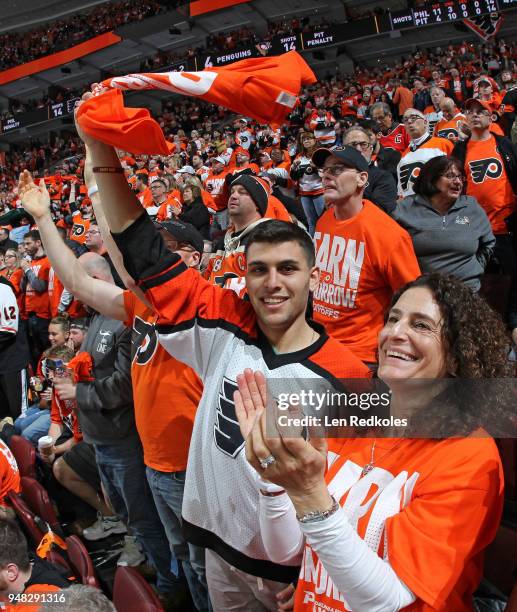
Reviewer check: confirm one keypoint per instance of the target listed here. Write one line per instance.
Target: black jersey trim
(256, 567)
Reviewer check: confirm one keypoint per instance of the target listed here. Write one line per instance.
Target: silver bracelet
(319, 515)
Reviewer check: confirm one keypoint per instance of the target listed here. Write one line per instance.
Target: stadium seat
(26, 517)
(80, 562)
(39, 502)
(25, 455)
(131, 593)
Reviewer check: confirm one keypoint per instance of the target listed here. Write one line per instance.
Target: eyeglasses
(481, 113)
(334, 170)
(92, 232)
(411, 118)
(6, 256)
(454, 177)
(364, 146)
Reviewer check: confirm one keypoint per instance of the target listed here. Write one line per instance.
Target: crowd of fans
(21, 47)
(376, 178)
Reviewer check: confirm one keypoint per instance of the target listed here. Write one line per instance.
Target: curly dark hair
(474, 335)
(477, 347)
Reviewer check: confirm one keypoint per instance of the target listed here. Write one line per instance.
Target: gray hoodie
(105, 405)
(459, 243)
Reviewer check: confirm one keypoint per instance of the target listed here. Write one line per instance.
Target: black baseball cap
(81, 323)
(348, 155)
(183, 232)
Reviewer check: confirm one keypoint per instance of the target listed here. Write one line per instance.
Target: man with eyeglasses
(381, 188)
(394, 135)
(490, 163)
(362, 254)
(422, 147)
(95, 244)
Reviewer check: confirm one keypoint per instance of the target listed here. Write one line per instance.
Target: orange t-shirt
(169, 209)
(450, 129)
(55, 290)
(430, 507)
(362, 262)
(38, 303)
(79, 228)
(166, 393)
(9, 474)
(488, 182)
(215, 184)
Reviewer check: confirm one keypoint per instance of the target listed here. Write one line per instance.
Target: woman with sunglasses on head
(401, 518)
(451, 232)
(13, 272)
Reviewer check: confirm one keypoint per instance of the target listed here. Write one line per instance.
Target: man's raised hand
(35, 199)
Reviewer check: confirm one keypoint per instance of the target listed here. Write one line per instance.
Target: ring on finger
(265, 463)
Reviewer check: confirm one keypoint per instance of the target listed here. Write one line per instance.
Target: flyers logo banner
(409, 173)
(485, 168)
(227, 433)
(485, 26)
(143, 341)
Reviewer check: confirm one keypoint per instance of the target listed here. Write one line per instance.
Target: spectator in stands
(421, 97)
(13, 272)
(393, 135)
(432, 331)
(322, 123)
(381, 188)
(450, 125)
(21, 573)
(451, 233)
(194, 210)
(14, 356)
(433, 112)
(247, 207)
(78, 329)
(355, 289)
(215, 184)
(35, 287)
(384, 158)
(402, 97)
(309, 186)
(5, 241)
(489, 161)
(9, 482)
(59, 331)
(80, 597)
(422, 147)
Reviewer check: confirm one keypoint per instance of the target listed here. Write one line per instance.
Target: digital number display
(442, 12)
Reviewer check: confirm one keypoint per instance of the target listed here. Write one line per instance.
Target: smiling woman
(386, 523)
(450, 232)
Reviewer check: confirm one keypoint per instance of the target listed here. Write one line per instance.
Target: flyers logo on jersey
(227, 433)
(409, 173)
(485, 168)
(144, 341)
(449, 133)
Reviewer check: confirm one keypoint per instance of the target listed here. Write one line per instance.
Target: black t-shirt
(44, 572)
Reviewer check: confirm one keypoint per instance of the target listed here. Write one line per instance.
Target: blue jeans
(122, 471)
(167, 489)
(23, 421)
(34, 425)
(313, 207)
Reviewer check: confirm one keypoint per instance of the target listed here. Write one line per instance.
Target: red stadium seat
(26, 517)
(131, 593)
(39, 502)
(80, 562)
(25, 455)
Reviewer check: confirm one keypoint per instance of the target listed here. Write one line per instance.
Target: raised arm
(104, 297)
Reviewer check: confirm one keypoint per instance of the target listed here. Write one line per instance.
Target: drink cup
(45, 445)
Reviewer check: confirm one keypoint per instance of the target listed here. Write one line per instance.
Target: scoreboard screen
(441, 12)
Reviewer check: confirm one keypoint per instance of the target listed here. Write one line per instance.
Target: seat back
(26, 517)
(131, 593)
(25, 455)
(39, 502)
(80, 561)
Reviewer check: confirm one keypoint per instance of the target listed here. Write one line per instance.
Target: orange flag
(265, 89)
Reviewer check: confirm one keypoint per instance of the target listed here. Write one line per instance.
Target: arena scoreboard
(442, 12)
